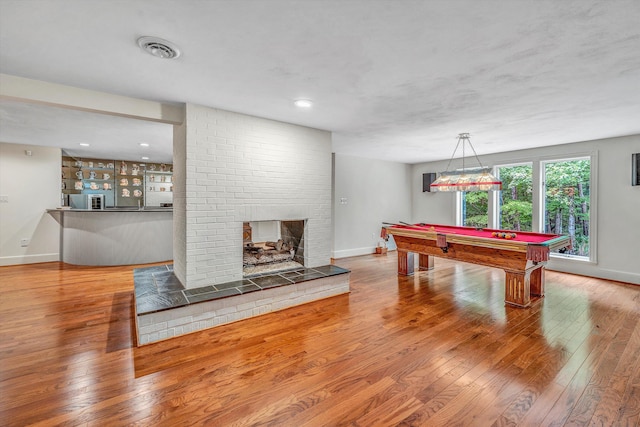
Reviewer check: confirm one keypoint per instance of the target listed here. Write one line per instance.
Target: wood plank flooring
(436, 349)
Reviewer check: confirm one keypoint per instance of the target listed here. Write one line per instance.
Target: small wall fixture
(472, 179)
(427, 180)
(158, 47)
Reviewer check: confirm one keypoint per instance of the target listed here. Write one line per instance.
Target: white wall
(375, 191)
(617, 206)
(241, 168)
(31, 185)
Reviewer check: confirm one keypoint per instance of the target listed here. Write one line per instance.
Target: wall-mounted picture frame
(635, 169)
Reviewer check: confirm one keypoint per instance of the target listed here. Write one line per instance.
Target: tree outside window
(515, 201)
(565, 197)
(475, 209)
(566, 202)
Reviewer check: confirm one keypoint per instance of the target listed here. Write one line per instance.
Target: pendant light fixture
(471, 179)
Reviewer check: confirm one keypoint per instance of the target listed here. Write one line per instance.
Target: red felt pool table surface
(522, 258)
(521, 236)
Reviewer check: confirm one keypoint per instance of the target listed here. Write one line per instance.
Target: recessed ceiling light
(158, 47)
(143, 144)
(84, 144)
(303, 103)
(145, 158)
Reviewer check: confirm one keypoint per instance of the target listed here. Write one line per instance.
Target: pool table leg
(517, 288)
(406, 263)
(537, 282)
(425, 262)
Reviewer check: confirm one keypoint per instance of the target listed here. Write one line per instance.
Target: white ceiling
(110, 137)
(392, 79)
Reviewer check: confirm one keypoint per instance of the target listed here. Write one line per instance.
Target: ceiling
(392, 79)
(108, 136)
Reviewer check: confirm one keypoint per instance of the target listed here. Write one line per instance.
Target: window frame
(495, 208)
(592, 258)
(538, 200)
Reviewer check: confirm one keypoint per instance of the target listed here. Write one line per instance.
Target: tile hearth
(157, 288)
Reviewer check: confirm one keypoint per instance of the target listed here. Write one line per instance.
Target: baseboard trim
(28, 259)
(353, 252)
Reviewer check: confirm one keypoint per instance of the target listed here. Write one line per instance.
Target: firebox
(270, 246)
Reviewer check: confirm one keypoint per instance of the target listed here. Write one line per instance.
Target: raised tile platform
(164, 308)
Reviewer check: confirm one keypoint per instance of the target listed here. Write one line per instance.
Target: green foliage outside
(476, 208)
(567, 202)
(516, 198)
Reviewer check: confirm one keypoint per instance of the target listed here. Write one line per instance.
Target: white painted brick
(240, 163)
(227, 310)
(179, 321)
(144, 320)
(153, 328)
(246, 306)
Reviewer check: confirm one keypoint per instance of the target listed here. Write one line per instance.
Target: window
(566, 202)
(515, 201)
(475, 208)
(555, 200)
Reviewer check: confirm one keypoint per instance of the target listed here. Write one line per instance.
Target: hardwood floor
(436, 349)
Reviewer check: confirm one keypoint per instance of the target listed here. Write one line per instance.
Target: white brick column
(238, 168)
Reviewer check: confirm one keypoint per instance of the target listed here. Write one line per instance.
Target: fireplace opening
(271, 246)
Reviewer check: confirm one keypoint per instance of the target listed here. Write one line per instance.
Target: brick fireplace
(231, 169)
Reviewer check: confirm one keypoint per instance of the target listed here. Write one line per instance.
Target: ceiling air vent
(159, 47)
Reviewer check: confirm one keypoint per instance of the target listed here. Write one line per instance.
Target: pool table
(522, 257)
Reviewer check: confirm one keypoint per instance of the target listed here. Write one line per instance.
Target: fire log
(277, 245)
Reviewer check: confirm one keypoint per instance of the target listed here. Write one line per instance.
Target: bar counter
(115, 236)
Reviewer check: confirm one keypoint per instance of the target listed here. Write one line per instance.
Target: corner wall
(179, 200)
(31, 185)
(366, 193)
(242, 168)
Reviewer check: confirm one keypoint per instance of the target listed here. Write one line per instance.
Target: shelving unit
(87, 176)
(158, 183)
(123, 183)
(130, 184)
